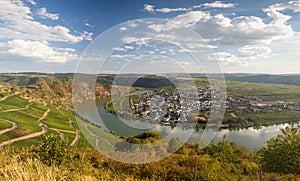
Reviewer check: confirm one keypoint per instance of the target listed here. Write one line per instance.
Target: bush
(282, 154)
(53, 150)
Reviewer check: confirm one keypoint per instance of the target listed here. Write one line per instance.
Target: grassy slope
(4, 125)
(27, 121)
(13, 102)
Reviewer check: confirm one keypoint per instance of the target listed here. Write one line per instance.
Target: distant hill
(266, 78)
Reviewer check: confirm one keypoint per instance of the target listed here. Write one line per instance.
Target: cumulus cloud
(184, 20)
(40, 51)
(44, 14)
(238, 30)
(241, 30)
(149, 7)
(20, 24)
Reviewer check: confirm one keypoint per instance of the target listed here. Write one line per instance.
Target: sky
(257, 36)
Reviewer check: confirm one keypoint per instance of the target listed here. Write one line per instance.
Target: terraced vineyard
(23, 122)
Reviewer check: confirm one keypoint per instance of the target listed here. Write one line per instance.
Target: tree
(282, 153)
(224, 151)
(53, 150)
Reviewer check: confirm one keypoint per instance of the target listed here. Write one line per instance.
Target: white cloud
(228, 58)
(123, 28)
(40, 51)
(219, 4)
(31, 2)
(44, 14)
(89, 25)
(87, 35)
(256, 51)
(150, 8)
(124, 48)
(20, 24)
(239, 30)
(136, 40)
(242, 30)
(133, 25)
(184, 20)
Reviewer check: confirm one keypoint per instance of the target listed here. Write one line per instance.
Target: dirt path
(8, 129)
(59, 130)
(233, 115)
(71, 123)
(19, 109)
(75, 141)
(97, 143)
(33, 135)
(98, 138)
(5, 97)
(44, 116)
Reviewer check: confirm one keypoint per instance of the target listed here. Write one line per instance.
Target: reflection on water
(251, 138)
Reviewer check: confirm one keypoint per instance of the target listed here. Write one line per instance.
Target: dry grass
(18, 167)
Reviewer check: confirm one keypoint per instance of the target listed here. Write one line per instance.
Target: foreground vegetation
(53, 159)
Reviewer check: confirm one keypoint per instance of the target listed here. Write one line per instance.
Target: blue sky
(243, 36)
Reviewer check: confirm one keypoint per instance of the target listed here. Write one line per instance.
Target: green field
(4, 125)
(267, 91)
(27, 121)
(272, 92)
(13, 102)
(57, 119)
(23, 120)
(36, 109)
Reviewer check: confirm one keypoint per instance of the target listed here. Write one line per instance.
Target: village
(192, 105)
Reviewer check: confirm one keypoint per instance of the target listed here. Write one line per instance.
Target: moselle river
(251, 138)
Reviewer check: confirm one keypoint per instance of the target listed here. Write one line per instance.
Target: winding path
(98, 138)
(18, 109)
(71, 123)
(5, 97)
(8, 129)
(33, 135)
(75, 141)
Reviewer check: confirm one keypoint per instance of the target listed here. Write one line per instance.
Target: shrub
(53, 150)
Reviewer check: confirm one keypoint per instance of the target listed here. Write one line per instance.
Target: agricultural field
(13, 102)
(23, 123)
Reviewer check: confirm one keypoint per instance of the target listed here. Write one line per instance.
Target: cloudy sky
(243, 36)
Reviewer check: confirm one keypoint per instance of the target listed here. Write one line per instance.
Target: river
(253, 139)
